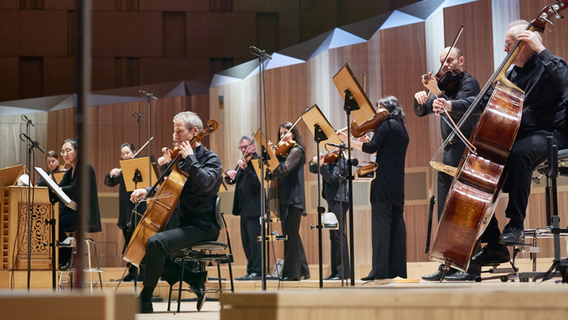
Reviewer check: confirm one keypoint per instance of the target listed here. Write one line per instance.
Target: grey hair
(191, 120)
(519, 26)
(247, 137)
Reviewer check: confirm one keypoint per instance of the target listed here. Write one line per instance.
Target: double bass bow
(162, 204)
(479, 178)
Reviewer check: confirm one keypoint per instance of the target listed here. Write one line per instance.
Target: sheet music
(56, 189)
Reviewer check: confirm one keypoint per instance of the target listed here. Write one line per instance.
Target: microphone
(340, 146)
(258, 52)
(29, 121)
(33, 144)
(136, 114)
(147, 94)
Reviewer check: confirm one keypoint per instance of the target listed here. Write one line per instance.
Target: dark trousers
(451, 156)
(250, 231)
(67, 223)
(527, 152)
(295, 262)
(389, 241)
(338, 242)
(171, 241)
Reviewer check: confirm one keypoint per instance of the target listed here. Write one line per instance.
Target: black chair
(207, 251)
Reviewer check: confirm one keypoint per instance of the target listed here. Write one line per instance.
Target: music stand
(322, 130)
(57, 176)
(356, 103)
(266, 153)
(135, 172)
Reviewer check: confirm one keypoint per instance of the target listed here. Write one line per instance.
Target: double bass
(479, 178)
(163, 204)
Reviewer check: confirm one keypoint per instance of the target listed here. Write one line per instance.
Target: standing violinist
(389, 142)
(125, 206)
(246, 204)
(292, 197)
(464, 85)
(336, 193)
(197, 212)
(544, 79)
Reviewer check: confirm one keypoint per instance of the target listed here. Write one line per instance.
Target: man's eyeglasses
(243, 147)
(66, 151)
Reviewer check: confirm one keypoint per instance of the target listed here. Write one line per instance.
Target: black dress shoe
(306, 276)
(198, 286)
(331, 277)
(436, 276)
(461, 276)
(245, 277)
(368, 278)
(289, 279)
(65, 266)
(512, 235)
(254, 276)
(490, 257)
(129, 277)
(146, 306)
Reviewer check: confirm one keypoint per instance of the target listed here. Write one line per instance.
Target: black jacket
(290, 175)
(330, 174)
(390, 141)
(125, 205)
(246, 202)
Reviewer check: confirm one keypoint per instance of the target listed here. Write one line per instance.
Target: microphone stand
(138, 118)
(262, 117)
(150, 97)
(31, 145)
(350, 105)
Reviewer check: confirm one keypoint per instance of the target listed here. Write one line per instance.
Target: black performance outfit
(390, 141)
(469, 87)
(246, 204)
(544, 78)
(126, 222)
(336, 193)
(292, 196)
(68, 217)
(197, 221)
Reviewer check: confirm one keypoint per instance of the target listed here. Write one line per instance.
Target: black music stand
(358, 105)
(322, 131)
(269, 163)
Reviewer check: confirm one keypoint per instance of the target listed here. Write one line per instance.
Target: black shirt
(70, 185)
(247, 192)
(469, 87)
(125, 205)
(390, 141)
(198, 196)
(290, 175)
(331, 174)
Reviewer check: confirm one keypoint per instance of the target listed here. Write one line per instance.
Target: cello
(479, 178)
(163, 203)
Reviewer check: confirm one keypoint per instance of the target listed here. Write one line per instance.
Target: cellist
(197, 212)
(544, 79)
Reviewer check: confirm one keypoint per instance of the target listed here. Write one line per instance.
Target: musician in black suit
(390, 142)
(336, 194)
(126, 221)
(246, 204)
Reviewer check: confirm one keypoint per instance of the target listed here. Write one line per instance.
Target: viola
(228, 179)
(371, 124)
(163, 203)
(331, 156)
(448, 80)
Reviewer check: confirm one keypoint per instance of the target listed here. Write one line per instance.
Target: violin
(448, 80)
(228, 179)
(371, 124)
(283, 147)
(331, 156)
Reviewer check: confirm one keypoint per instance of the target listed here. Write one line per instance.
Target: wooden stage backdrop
(389, 63)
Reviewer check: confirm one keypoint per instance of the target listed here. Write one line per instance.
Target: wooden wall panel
(140, 36)
(476, 42)
(58, 75)
(160, 70)
(10, 68)
(402, 65)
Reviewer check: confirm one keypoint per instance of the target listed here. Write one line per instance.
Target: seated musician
(52, 161)
(544, 79)
(197, 216)
(70, 185)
